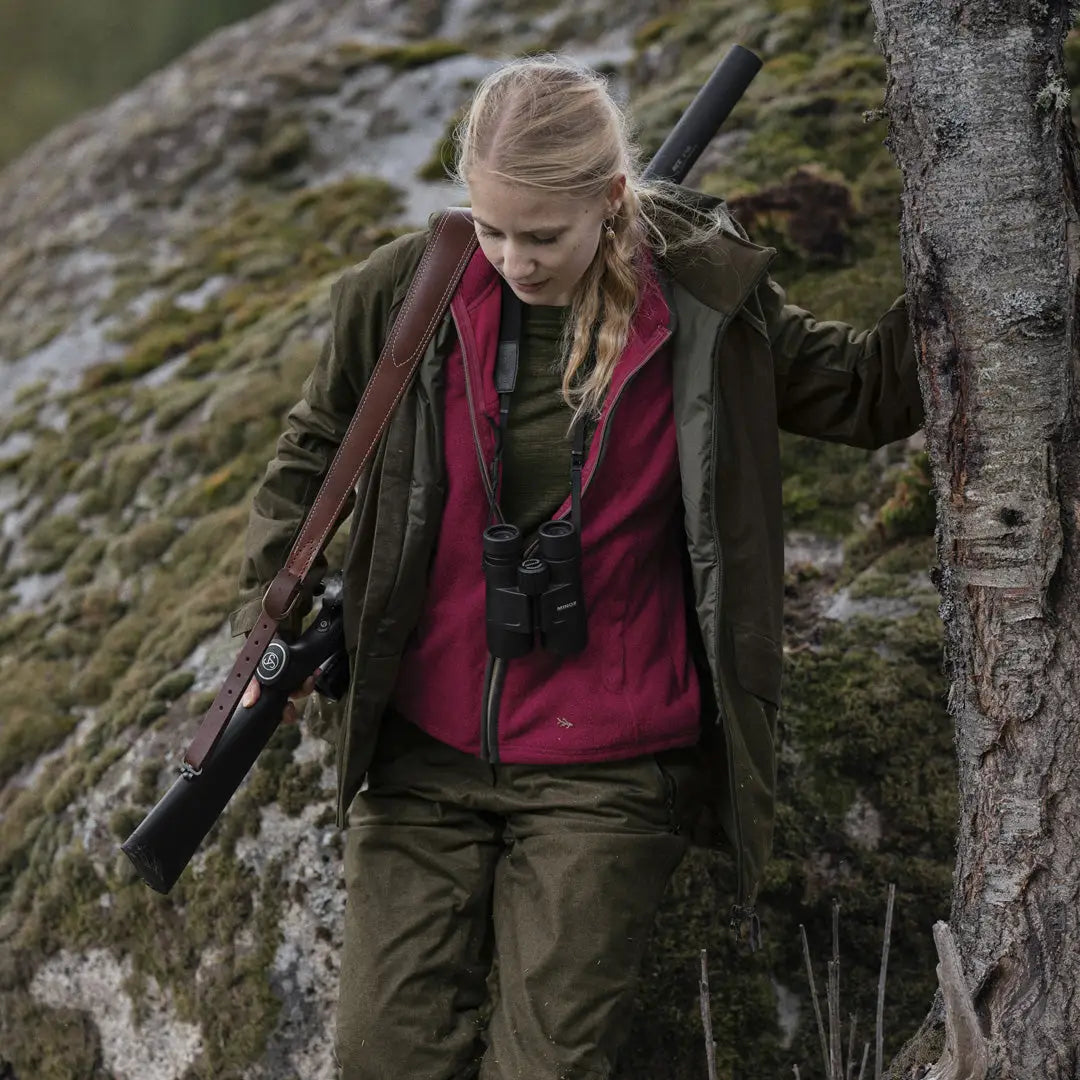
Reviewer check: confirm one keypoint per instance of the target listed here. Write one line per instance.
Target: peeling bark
(980, 127)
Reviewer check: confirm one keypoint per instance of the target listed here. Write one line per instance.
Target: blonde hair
(550, 123)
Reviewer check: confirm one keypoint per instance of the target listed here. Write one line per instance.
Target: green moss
(119, 647)
(13, 464)
(854, 725)
(217, 908)
(72, 1050)
(21, 421)
(146, 714)
(66, 911)
(179, 397)
(440, 165)
(69, 783)
(172, 686)
(147, 788)
(167, 331)
(273, 764)
(15, 627)
(85, 561)
(122, 471)
(822, 483)
(300, 786)
(30, 729)
(909, 511)
(124, 820)
(145, 544)
(92, 428)
(284, 146)
(32, 393)
(404, 57)
(200, 702)
(52, 541)
(104, 761)
(653, 30)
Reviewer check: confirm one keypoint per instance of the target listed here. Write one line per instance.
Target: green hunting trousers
(496, 915)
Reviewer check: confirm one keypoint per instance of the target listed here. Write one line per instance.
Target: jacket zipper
(472, 420)
(489, 712)
(489, 739)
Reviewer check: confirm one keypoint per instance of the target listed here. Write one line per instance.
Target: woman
(513, 822)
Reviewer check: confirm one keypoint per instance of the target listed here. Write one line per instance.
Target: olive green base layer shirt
(536, 451)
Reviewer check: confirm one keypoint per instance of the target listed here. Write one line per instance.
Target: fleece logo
(272, 663)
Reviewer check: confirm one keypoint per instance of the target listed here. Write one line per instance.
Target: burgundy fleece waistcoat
(634, 689)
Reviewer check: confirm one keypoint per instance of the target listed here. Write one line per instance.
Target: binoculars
(536, 595)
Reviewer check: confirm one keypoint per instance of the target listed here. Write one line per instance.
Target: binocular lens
(502, 542)
(558, 540)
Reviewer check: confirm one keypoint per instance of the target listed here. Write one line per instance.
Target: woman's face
(538, 238)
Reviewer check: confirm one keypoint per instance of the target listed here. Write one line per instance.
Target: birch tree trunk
(980, 127)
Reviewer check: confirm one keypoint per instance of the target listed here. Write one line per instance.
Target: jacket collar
(723, 275)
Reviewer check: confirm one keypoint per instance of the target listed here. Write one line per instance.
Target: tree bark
(979, 124)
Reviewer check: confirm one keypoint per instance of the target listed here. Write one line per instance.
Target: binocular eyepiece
(541, 594)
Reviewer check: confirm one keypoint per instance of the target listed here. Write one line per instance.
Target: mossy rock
(283, 148)
(443, 159)
(52, 541)
(179, 397)
(30, 729)
(69, 784)
(72, 1050)
(143, 545)
(404, 57)
(172, 686)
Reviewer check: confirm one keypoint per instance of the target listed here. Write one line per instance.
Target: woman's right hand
(289, 715)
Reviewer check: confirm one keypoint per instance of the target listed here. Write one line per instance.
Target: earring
(610, 232)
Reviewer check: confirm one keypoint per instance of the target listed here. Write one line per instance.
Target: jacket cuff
(245, 617)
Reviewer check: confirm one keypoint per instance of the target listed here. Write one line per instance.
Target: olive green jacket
(744, 365)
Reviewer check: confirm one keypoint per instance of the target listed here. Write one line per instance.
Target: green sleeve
(838, 384)
(363, 302)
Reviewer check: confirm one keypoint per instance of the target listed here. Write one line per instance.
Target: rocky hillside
(165, 266)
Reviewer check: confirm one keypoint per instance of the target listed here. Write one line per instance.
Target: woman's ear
(615, 193)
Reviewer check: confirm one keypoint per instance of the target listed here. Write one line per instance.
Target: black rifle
(169, 835)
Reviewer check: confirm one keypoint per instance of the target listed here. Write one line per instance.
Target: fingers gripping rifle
(163, 844)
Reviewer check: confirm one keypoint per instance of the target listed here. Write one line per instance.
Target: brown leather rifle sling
(448, 252)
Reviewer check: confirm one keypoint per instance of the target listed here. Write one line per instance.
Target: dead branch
(965, 1056)
(706, 1016)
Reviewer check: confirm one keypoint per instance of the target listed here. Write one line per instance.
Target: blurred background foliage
(60, 57)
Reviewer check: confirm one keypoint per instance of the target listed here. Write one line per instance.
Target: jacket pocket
(759, 663)
(684, 782)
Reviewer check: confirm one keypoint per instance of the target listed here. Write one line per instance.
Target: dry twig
(833, 999)
(814, 998)
(835, 1033)
(851, 1051)
(706, 1016)
(865, 1055)
(879, 1052)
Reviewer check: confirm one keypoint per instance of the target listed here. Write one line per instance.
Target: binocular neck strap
(577, 460)
(506, 370)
